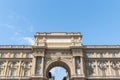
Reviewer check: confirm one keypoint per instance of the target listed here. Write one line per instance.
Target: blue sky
(97, 20)
(58, 72)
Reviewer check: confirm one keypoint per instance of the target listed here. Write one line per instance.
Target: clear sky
(97, 20)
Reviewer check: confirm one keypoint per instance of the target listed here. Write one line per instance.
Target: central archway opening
(59, 73)
(58, 70)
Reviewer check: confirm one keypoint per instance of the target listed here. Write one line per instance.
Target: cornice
(47, 34)
(30, 47)
(105, 58)
(16, 59)
(113, 47)
(41, 47)
(15, 47)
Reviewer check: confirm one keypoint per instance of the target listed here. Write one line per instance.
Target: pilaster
(82, 65)
(42, 66)
(96, 63)
(110, 73)
(33, 65)
(73, 69)
(19, 68)
(6, 66)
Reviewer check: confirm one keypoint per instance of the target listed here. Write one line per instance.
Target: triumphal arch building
(64, 49)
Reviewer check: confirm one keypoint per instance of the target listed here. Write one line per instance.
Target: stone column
(6, 66)
(82, 66)
(109, 68)
(73, 66)
(42, 66)
(33, 66)
(19, 68)
(96, 67)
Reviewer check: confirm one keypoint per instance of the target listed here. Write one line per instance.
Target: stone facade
(82, 62)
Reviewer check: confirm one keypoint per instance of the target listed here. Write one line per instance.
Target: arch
(60, 64)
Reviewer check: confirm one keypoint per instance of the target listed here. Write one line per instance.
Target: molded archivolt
(60, 64)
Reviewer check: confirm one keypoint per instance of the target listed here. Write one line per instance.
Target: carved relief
(115, 65)
(38, 52)
(102, 64)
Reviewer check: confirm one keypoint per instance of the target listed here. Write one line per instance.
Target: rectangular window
(2, 55)
(39, 60)
(78, 71)
(12, 73)
(25, 73)
(26, 64)
(88, 55)
(101, 55)
(113, 55)
(0, 64)
(27, 55)
(13, 64)
(77, 59)
(14, 55)
(38, 72)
